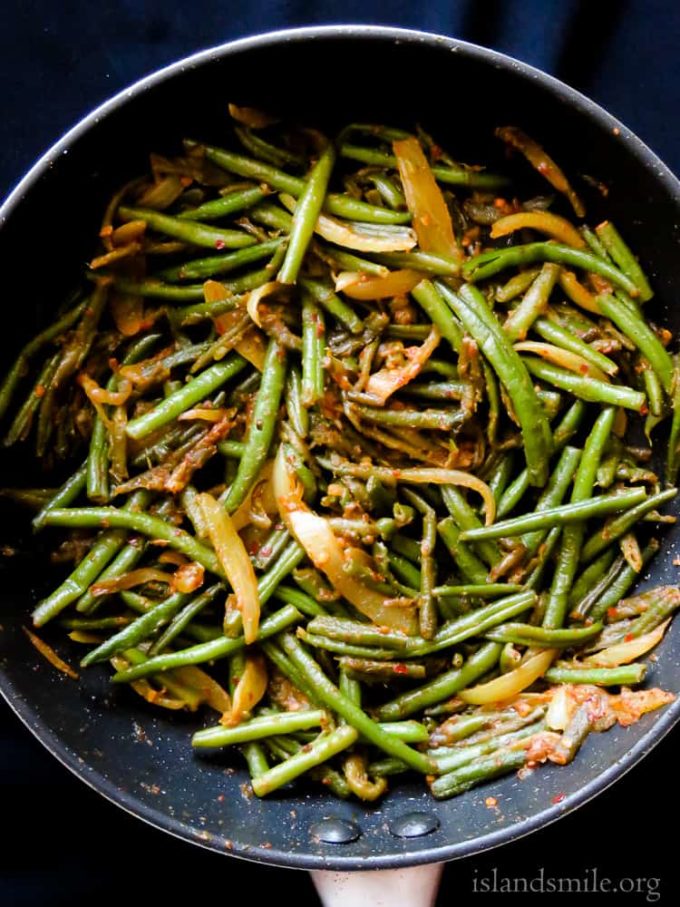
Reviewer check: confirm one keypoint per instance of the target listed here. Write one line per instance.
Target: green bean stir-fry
(350, 426)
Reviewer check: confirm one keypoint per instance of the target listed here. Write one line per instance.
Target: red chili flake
(644, 409)
(491, 802)
(219, 244)
(220, 799)
(583, 369)
(558, 798)
(499, 203)
(106, 231)
(40, 390)
(611, 613)
(400, 668)
(628, 637)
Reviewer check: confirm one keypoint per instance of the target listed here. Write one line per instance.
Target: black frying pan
(141, 760)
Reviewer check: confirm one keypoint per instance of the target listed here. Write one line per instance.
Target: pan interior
(142, 760)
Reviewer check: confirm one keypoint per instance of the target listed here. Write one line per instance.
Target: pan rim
(160, 819)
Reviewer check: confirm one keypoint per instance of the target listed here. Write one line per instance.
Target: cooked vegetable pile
(354, 424)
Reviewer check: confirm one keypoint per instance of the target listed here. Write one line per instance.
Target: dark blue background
(62, 844)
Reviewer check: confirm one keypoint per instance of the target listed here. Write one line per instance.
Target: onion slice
(256, 296)
(251, 687)
(541, 161)
(424, 199)
(382, 384)
(208, 689)
(624, 653)
(315, 535)
(235, 562)
(564, 358)
(543, 221)
(360, 236)
(508, 685)
(577, 292)
(362, 287)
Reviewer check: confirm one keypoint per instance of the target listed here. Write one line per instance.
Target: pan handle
(416, 886)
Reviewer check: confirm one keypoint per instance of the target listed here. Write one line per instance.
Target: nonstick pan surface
(141, 760)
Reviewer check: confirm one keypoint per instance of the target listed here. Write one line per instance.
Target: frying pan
(139, 759)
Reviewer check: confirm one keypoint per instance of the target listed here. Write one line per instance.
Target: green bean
(313, 351)
(615, 245)
(427, 262)
(20, 427)
(199, 268)
(146, 524)
(307, 210)
(589, 389)
(489, 263)
(32, 498)
(592, 575)
(456, 757)
(621, 524)
(471, 307)
(300, 600)
(440, 390)
(262, 425)
(140, 629)
(21, 363)
(256, 145)
(534, 303)
(572, 536)
(182, 619)
(462, 779)
(338, 647)
(104, 550)
(352, 631)
(210, 650)
(89, 624)
(195, 233)
(196, 390)
(328, 693)
(433, 419)
(470, 566)
(64, 496)
(429, 298)
(231, 203)
(98, 453)
(466, 518)
(447, 175)
(258, 728)
(563, 433)
(598, 505)
(256, 759)
(624, 578)
(626, 675)
(484, 590)
(129, 555)
(404, 570)
(442, 687)
(528, 635)
(553, 494)
(628, 320)
(368, 669)
(516, 285)
(340, 205)
(326, 745)
(323, 294)
(383, 768)
(559, 336)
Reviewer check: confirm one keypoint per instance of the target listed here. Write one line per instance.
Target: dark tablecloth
(64, 845)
